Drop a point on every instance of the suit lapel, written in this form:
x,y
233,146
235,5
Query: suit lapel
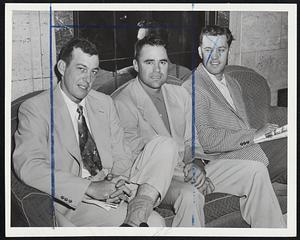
x,y
97,118
64,125
236,95
205,79
148,110
173,110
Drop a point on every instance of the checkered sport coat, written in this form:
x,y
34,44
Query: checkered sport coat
x,y
223,131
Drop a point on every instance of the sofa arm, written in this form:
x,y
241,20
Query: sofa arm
x,y
29,206
277,115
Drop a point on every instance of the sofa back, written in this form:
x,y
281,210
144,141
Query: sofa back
x,y
14,113
256,94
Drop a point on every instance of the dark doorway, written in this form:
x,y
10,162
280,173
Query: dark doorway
x,y
114,33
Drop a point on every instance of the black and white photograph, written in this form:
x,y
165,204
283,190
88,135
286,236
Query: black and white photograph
x,y
150,119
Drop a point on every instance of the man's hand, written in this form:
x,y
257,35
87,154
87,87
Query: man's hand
x,y
269,127
207,188
101,190
109,191
122,191
117,179
194,174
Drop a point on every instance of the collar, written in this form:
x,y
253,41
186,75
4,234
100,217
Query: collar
x,y
214,79
72,106
152,94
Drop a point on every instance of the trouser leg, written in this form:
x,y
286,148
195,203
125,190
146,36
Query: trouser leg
x,y
155,164
249,179
188,204
152,171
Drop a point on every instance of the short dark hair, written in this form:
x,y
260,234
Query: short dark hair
x,y
155,29
148,40
215,30
65,53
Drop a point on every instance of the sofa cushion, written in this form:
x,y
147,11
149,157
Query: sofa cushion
x,y
220,204
217,205
29,206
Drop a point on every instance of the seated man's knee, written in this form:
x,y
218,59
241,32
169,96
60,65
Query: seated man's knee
x,y
255,168
167,143
165,146
156,220
259,167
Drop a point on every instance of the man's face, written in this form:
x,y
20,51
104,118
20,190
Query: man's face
x,y
152,66
79,74
214,53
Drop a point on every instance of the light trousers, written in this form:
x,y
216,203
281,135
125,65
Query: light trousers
x,y
245,178
249,179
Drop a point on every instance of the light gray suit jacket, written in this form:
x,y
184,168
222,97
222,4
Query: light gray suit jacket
x,y
141,121
221,129
32,155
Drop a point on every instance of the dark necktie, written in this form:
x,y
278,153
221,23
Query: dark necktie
x,y
89,153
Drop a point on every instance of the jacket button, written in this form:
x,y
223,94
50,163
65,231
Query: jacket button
x,y
62,197
66,199
241,144
70,200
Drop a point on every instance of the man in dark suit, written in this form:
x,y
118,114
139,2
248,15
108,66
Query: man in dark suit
x,y
80,155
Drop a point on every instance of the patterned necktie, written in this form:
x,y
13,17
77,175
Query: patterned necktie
x,y
89,153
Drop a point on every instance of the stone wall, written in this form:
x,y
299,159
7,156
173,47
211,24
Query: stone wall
x,y
30,52
261,44
31,48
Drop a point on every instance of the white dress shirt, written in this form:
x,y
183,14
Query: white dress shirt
x,y
222,86
72,107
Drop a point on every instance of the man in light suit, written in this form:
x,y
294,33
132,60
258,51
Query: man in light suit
x,y
149,107
220,114
150,27
177,74
56,156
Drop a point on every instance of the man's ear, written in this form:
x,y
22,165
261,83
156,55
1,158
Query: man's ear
x,y
135,65
200,52
61,67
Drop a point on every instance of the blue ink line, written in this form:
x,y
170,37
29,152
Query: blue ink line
x,y
214,47
122,26
52,162
194,52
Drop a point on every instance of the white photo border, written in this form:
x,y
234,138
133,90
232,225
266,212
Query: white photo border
x,y
117,231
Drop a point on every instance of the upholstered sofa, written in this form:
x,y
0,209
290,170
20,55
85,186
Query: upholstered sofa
x,y
31,207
